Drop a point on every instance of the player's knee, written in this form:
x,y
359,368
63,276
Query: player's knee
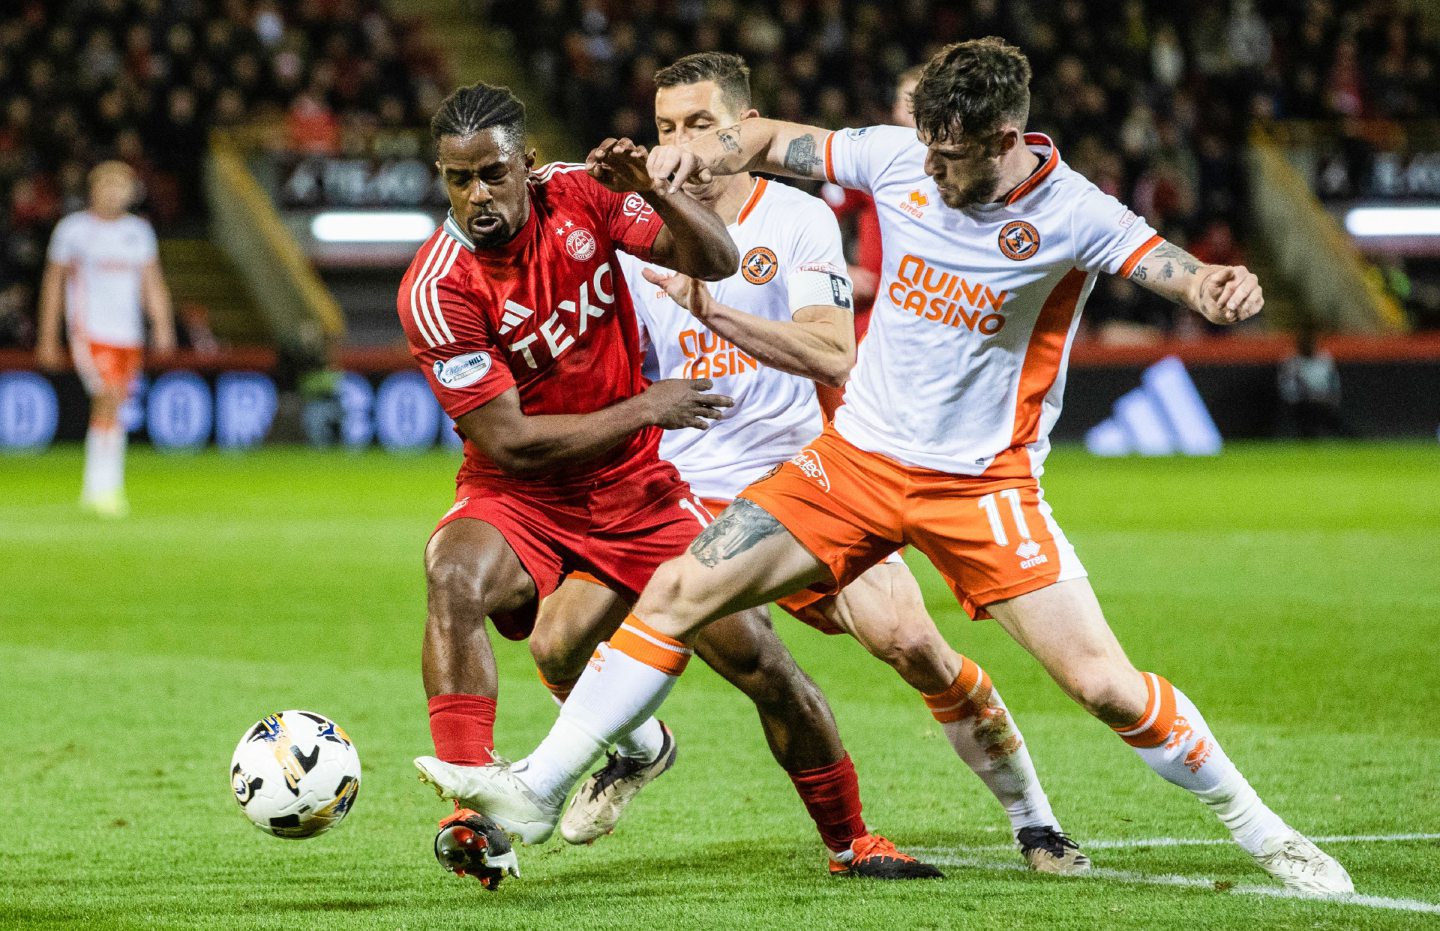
x,y
914,651
1106,690
768,675
454,586
559,659
672,603
107,402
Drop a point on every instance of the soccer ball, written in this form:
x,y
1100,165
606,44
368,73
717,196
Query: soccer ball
x,y
295,774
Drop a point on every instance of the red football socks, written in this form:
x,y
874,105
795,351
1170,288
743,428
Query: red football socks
x,y
832,796
463,728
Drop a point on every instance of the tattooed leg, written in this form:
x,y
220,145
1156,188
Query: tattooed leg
x,y
745,558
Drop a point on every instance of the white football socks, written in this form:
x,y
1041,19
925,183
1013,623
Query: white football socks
x,y
606,704
643,743
985,736
991,745
1191,757
104,461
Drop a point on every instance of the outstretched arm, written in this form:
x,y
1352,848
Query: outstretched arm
x,y
694,239
771,146
522,444
1222,294
818,342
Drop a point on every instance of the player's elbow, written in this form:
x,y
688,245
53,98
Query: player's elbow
x,y
718,262
835,368
518,462
516,456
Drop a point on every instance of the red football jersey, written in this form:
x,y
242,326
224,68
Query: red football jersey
x,y
548,313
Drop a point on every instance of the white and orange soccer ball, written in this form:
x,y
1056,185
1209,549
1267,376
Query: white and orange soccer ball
x,y
295,774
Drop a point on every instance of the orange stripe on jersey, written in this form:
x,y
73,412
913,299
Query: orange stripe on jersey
x,y
1032,182
1138,255
1042,357
756,193
579,575
830,160
641,642
1154,726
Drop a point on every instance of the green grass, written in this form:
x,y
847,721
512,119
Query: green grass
x,y
1292,592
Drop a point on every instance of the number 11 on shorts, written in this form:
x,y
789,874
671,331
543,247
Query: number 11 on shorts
x,y
991,507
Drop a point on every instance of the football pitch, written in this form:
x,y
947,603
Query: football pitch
x,y
1293,592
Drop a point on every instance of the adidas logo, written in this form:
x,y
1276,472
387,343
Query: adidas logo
x,y
1165,416
515,314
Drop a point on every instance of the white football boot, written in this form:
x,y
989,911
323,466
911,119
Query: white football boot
x,y
603,797
496,792
1294,860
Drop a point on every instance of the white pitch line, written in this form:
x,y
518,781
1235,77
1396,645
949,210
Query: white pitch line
x,y
946,858
1201,842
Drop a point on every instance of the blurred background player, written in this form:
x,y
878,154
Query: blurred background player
x,y
102,271
944,433
518,314
1309,384
766,335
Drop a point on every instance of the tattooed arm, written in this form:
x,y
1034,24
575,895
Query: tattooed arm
x,y
1219,293
772,146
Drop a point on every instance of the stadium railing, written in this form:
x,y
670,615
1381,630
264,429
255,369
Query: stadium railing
x,y
1317,258
247,226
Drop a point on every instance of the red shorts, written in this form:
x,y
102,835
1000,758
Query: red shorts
x,y
101,366
619,532
991,537
807,605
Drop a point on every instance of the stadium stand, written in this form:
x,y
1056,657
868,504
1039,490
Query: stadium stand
x,y
1153,105
146,80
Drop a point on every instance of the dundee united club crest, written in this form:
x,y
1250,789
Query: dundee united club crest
x,y
759,265
1019,240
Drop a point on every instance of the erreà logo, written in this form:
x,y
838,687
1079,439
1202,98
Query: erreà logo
x,y
462,371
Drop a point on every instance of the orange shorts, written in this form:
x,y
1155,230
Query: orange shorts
x,y
808,605
102,366
992,538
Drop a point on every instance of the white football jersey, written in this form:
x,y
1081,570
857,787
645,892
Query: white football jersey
x,y
977,308
790,257
104,260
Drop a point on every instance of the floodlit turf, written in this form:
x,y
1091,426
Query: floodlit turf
x,y
1292,592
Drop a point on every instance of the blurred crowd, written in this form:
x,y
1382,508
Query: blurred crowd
x,y
1150,99
145,80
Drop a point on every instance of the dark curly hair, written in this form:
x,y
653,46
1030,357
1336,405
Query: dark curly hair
x,y
969,88
480,106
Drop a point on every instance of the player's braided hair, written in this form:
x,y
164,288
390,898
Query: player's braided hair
x,y
969,88
480,106
729,72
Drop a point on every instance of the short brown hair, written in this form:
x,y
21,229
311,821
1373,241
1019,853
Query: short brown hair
x,y
969,88
729,72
